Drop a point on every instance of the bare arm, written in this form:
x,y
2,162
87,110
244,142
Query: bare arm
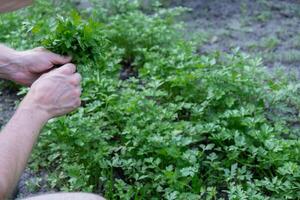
x,y
24,67
16,142
53,94
6,57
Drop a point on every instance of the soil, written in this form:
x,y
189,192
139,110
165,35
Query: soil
x,y
266,28
31,184
7,105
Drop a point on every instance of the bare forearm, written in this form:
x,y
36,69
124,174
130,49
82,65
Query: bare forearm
x,y
16,142
7,56
25,67
51,95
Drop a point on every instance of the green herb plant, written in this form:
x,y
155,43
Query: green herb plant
x,y
183,126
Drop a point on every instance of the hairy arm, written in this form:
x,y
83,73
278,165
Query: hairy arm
x,y
53,94
24,67
6,60
16,142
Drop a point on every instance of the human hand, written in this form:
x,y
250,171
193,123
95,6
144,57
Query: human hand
x,y
55,93
27,66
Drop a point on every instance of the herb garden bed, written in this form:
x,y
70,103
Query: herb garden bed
x,y
160,121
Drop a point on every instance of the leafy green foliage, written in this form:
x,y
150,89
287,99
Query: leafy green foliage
x,y
184,127
18,27
82,40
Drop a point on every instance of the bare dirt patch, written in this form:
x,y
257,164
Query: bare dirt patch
x,y
269,29
7,105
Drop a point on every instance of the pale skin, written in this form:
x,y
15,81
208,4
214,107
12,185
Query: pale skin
x,y
53,92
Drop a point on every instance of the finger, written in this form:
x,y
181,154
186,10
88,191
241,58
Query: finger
x,y
66,69
77,92
57,59
78,103
75,79
40,49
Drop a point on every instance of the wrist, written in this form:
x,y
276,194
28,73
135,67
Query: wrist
x,y
33,110
7,62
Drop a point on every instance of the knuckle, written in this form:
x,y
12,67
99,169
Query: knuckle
x,y
40,49
70,65
78,103
76,92
78,76
75,79
79,91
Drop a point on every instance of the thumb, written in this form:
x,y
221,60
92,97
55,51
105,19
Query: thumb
x,y
57,59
